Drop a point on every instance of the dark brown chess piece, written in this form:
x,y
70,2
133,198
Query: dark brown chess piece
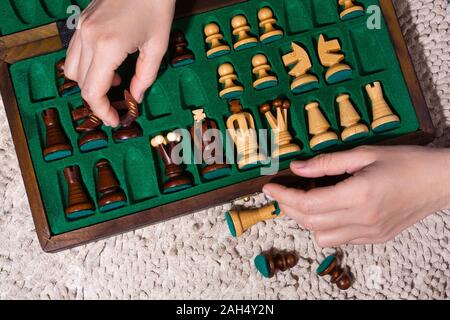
x,y
181,55
111,196
66,87
128,110
268,263
57,145
339,276
92,136
176,174
205,143
79,203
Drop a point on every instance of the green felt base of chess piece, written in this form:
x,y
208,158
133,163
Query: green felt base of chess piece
x,y
325,264
251,166
113,206
262,265
230,224
216,174
233,95
305,87
340,76
246,46
70,91
387,127
273,39
58,155
80,214
356,137
266,85
290,155
93,145
325,145
352,15
183,63
218,54
177,188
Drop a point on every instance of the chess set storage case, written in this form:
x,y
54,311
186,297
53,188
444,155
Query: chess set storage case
x,y
28,87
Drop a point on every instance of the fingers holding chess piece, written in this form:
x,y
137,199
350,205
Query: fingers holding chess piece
x,y
331,57
300,63
241,31
209,147
350,10
214,39
66,87
111,196
230,90
177,178
322,137
241,127
350,120
57,145
261,69
128,110
269,263
383,117
267,23
181,55
79,204
339,276
240,221
282,139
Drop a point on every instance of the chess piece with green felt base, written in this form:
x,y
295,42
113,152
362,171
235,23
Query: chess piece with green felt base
x,y
240,221
111,196
267,264
322,137
339,276
57,145
261,69
350,120
79,204
350,10
241,30
331,57
383,117
214,40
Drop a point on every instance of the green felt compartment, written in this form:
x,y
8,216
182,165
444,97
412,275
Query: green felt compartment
x,y
168,104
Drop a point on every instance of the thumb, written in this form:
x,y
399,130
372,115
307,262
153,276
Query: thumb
x,y
333,164
147,67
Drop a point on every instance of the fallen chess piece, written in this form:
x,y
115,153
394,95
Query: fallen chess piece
x,y
240,221
267,264
339,276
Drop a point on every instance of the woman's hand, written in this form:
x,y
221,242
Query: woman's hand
x,y
109,31
390,189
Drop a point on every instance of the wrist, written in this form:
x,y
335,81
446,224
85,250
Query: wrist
x,y
446,174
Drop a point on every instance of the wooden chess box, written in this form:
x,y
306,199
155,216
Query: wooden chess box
x,y
29,87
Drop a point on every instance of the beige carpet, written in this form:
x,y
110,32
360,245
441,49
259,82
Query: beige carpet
x,y
194,257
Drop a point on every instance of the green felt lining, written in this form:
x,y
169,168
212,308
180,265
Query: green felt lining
x,y
230,224
167,105
262,265
325,264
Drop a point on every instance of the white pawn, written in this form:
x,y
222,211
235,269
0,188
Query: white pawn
x,y
241,30
261,69
213,39
227,78
267,22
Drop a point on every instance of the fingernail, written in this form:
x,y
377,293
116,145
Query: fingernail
x,y
141,98
267,194
298,164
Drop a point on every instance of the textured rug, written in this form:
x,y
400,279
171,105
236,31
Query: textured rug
x,y
194,257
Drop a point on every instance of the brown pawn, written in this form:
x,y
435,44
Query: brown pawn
x,y
205,144
181,55
66,86
111,195
128,110
339,276
267,264
56,144
92,136
79,203
177,177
